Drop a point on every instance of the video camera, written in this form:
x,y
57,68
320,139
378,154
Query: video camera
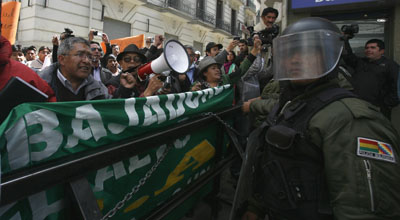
x,y
66,34
350,30
266,36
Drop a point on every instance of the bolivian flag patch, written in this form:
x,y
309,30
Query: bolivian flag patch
x,y
375,149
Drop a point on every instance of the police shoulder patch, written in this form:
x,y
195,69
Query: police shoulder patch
x,y
375,149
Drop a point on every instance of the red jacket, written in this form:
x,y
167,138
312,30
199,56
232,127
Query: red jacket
x,y
9,68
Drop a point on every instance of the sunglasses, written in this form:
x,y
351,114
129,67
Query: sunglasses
x,y
136,59
93,49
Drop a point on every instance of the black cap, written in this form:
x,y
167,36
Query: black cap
x,y
211,45
132,48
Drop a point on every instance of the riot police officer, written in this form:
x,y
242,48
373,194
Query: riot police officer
x,y
322,153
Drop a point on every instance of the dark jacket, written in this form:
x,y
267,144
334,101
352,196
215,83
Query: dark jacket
x,y
152,53
374,81
105,75
93,90
103,59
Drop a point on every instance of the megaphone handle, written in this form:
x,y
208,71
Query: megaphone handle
x,y
144,70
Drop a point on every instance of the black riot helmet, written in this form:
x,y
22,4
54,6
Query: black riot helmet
x,y
308,49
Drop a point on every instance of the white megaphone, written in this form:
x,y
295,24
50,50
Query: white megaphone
x,y
174,58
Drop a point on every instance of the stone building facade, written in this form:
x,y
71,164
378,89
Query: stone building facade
x,y
192,22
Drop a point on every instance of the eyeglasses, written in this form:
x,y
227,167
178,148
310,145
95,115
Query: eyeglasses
x,y
95,48
135,59
83,55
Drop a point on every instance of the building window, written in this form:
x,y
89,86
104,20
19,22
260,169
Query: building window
x,y
220,13
200,9
233,22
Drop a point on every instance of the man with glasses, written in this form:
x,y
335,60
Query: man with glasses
x,y
128,84
38,62
71,77
99,73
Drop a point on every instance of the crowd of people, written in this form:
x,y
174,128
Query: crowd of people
x,y
324,150
78,69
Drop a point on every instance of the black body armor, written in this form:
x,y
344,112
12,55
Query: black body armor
x,y
289,174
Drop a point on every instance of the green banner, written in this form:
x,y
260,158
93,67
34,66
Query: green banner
x,y
34,133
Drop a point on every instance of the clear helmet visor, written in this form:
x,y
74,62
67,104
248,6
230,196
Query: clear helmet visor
x,y
306,55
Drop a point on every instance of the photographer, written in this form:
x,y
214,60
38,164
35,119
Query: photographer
x,y
262,67
156,49
270,29
64,35
269,16
375,76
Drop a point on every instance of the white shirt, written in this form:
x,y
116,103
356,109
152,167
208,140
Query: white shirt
x,y
67,84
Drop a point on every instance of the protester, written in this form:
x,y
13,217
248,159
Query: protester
x,y
30,53
155,49
115,49
11,68
147,44
210,71
243,51
229,66
17,54
197,57
71,77
38,62
99,53
375,76
112,65
317,153
214,50
129,84
99,73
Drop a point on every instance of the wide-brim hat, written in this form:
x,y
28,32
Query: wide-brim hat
x,y
205,63
132,48
211,45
